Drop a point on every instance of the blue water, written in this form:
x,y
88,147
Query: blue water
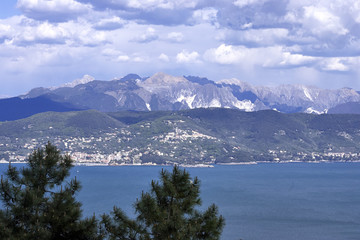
x,y
264,201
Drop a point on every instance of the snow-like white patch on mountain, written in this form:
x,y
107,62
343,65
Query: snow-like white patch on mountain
x,y
245,105
85,79
168,91
314,111
214,103
307,94
188,99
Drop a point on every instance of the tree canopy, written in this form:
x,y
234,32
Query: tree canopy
x,y
168,211
37,204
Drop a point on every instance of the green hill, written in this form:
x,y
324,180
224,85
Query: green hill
x,y
188,137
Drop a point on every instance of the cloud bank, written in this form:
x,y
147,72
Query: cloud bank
x,y
265,42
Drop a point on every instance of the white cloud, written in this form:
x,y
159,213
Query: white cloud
x,y
163,57
355,11
205,15
82,34
226,37
140,58
175,37
109,24
123,58
5,32
109,52
268,57
259,37
290,59
226,54
149,36
187,57
244,3
334,64
54,10
165,4
44,33
321,21
4,28
115,55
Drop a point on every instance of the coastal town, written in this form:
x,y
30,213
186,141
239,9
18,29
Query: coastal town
x,y
177,146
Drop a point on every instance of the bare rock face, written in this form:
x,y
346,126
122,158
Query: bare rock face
x,y
165,92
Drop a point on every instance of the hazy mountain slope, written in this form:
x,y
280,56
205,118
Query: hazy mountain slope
x,y
81,123
17,108
168,93
346,108
295,98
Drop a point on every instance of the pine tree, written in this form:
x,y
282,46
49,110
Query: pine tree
x,y
37,204
167,212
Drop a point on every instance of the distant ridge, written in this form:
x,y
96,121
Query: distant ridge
x,y
346,108
196,136
163,92
17,108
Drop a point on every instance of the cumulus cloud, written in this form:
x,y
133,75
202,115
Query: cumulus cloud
x,y
334,64
257,37
54,11
331,26
109,24
175,37
115,55
149,36
322,22
92,39
226,54
159,12
26,31
227,37
243,3
147,5
5,32
44,33
268,57
163,57
123,58
187,57
152,4
205,15
110,52
140,59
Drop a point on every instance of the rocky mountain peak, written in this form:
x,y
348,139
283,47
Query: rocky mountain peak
x,y
165,92
163,78
85,79
234,81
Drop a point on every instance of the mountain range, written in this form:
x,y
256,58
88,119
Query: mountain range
x,y
165,92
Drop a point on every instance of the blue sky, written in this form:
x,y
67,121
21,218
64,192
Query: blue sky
x,y
46,43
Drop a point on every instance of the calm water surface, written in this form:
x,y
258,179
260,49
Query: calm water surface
x,y
264,201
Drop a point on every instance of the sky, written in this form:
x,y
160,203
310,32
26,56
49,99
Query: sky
x,y
46,43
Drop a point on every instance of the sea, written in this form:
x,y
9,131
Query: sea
x,y
291,201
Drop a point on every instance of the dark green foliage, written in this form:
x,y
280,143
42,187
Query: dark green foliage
x,y
38,205
231,135
167,212
92,121
133,117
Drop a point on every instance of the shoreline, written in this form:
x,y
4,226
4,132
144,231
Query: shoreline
x,y
201,165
